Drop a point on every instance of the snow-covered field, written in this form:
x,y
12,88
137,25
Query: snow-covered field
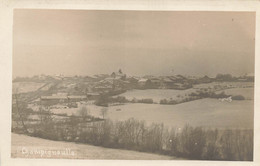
x,y
204,112
158,94
24,87
31,147
248,93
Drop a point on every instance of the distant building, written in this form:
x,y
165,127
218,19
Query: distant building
x,y
143,81
168,83
93,96
118,75
55,99
205,79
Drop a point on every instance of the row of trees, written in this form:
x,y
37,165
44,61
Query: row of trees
x,y
188,142
229,77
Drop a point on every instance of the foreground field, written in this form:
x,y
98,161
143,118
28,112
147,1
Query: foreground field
x,y
205,112
22,146
209,113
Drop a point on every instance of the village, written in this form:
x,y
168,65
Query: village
x,y
84,108
63,95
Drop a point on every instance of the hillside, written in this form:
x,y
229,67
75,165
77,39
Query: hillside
x,y
30,147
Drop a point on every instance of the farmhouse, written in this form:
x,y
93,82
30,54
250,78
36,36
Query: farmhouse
x,y
61,99
118,75
205,79
133,80
93,96
168,83
142,82
155,82
101,88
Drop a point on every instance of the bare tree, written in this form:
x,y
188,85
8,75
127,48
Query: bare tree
x,y
21,110
103,112
84,113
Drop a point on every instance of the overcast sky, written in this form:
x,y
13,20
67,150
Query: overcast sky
x,y
86,42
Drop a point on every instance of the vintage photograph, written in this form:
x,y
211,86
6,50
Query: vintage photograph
x,y
133,85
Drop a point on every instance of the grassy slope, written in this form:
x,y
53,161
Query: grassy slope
x,y
82,151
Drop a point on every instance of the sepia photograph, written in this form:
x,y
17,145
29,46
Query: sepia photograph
x,y
133,85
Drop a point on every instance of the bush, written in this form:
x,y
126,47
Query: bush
x,y
238,97
208,94
169,102
147,101
220,95
105,100
119,99
163,101
102,101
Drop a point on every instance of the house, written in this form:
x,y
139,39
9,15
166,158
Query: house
x,y
142,82
93,96
118,75
99,77
145,83
205,79
175,82
88,79
248,77
168,83
156,81
103,88
133,80
54,99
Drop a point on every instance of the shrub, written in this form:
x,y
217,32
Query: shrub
x,y
121,99
147,101
173,102
170,102
238,97
220,95
102,101
163,101
205,94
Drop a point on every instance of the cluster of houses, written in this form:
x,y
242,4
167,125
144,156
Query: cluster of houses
x,y
55,99
119,80
164,82
91,88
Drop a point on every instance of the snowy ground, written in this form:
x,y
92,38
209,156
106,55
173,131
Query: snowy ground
x,y
31,147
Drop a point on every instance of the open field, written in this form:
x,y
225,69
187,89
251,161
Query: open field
x,y
24,87
225,84
81,151
205,112
248,93
156,94
232,88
